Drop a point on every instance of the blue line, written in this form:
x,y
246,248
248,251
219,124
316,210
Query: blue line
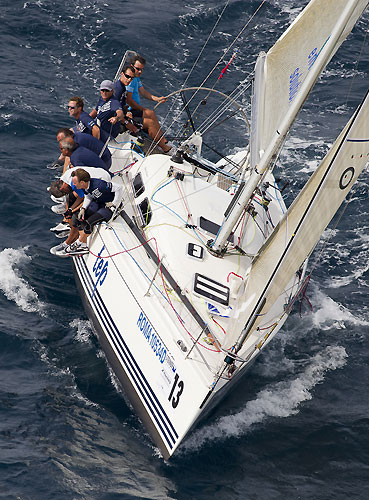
x,y
119,337
173,212
131,365
118,342
357,140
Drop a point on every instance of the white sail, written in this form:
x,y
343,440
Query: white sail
x,y
286,65
350,10
299,231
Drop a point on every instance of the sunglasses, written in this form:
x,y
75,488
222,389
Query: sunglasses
x,y
105,90
72,107
129,77
137,69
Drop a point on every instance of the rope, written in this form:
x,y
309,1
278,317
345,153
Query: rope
x,y
163,281
205,44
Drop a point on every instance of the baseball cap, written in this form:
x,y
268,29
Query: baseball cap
x,y
106,85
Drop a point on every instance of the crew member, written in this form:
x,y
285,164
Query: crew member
x,y
100,202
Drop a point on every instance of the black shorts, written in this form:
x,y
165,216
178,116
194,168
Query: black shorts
x,y
94,214
137,116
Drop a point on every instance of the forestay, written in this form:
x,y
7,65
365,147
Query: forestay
x,y
280,73
299,231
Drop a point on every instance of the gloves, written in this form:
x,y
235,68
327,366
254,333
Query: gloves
x,y
68,214
81,214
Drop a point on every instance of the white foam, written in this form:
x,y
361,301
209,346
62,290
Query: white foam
x,y
279,400
15,288
354,251
331,314
83,328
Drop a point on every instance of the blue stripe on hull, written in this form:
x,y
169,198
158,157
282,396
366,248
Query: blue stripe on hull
x,y
127,361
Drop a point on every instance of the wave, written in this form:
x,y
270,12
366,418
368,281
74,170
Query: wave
x,y
280,400
331,314
83,330
14,287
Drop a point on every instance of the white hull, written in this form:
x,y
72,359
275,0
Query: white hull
x,y
149,331
201,267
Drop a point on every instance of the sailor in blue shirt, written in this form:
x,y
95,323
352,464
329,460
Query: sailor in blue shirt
x,y
84,122
120,93
149,119
87,141
96,173
75,196
80,156
98,194
108,113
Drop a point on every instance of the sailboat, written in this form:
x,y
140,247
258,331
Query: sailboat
x,y
200,267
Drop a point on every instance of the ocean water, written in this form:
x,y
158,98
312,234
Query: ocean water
x,y
298,427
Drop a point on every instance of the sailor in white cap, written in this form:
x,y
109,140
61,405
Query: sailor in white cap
x,y
108,112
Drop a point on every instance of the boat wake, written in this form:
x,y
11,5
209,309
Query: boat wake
x,y
14,287
279,400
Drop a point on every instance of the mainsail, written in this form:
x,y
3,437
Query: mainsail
x,y
271,136
279,74
300,229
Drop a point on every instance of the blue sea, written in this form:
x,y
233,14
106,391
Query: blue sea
x,y
298,425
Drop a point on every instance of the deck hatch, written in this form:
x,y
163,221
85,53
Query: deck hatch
x,y
212,227
211,289
145,211
138,185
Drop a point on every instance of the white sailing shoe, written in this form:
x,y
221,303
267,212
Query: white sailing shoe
x,y
58,200
77,248
58,248
58,209
63,234
60,227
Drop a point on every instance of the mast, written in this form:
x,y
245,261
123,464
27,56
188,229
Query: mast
x,y
326,52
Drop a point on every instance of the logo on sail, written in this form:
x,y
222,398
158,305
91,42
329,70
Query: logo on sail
x,y
346,177
295,82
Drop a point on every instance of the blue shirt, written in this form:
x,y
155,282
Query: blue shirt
x,y
83,157
84,123
106,110
133,87
80,192
100,191
120,93
90,142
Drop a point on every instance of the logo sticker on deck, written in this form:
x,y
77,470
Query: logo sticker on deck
x,y
100,268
